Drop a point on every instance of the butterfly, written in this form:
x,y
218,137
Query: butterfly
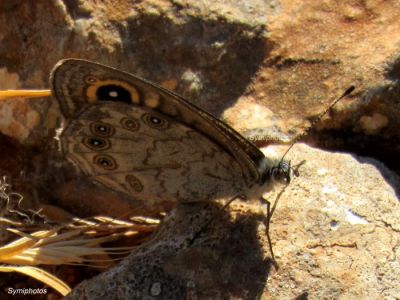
x,y
135,137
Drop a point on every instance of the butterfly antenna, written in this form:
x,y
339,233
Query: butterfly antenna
x,y
271,209
346,93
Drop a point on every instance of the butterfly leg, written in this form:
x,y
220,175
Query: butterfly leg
x,y
270,212
241,197
267,222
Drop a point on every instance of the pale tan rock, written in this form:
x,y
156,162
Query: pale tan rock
x,y
336,227
335,234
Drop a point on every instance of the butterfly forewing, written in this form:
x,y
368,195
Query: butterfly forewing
x,y
79,83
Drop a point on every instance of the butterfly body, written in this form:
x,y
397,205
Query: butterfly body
x,y
137,138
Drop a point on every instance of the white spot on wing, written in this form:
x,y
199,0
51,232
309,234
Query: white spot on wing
x,y
113,94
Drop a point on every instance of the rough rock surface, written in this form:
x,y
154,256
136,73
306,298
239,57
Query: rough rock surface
x,y
341,240
199,253
290,57
336,235
267,68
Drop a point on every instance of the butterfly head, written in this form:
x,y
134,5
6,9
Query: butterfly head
x,y
280,171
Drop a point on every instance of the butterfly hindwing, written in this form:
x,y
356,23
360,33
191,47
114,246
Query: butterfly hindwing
x,y
148,155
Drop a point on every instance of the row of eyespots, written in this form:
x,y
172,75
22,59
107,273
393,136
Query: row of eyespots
x,y
152,120
108,163
102,130
106,130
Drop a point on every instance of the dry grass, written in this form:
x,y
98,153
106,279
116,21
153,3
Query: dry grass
x,y
76,243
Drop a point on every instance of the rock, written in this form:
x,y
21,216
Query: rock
x,y
335,234
292,59
198,253
267,68
337,229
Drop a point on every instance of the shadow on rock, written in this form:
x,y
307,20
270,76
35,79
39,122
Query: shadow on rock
x,y
199,252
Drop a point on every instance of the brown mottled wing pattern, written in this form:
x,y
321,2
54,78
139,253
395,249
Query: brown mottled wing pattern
x,y
73,83
124,148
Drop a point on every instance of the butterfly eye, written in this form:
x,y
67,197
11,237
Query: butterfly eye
x,y
155,121
130,124
105,161
283,172
96,143
102,129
